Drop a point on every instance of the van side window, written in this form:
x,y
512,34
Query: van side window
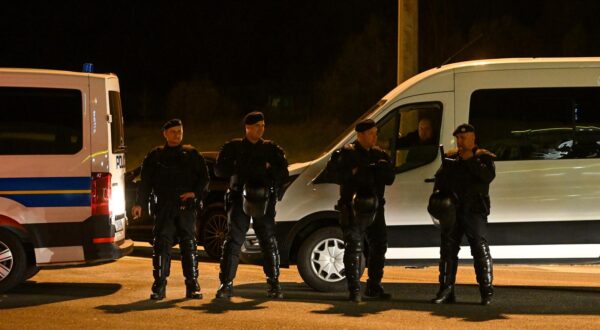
x,y
410,135
40,121
538,123
117,131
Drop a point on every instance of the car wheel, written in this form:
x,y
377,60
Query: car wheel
x,y
321,260
13,261
214,232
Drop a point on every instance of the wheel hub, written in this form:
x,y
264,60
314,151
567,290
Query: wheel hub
x,y
327,260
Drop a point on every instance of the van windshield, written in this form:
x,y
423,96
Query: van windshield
x,y
351,127
117,131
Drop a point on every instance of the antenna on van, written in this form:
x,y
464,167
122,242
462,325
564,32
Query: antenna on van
x,y
469,44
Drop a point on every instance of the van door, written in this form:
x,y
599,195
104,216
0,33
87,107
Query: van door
x,y
544,126
416,160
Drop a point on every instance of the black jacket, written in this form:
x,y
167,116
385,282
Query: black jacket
x,y
469,180
242,160
374,171
169,172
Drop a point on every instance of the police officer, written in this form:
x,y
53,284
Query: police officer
x,y
363,170
257,169
177,176
465,176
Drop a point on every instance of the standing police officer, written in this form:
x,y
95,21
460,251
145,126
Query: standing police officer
x,y
363,170
257,169
464,179
177,175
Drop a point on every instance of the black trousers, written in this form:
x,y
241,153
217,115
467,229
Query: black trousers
x,y
474,226
171,222
354,234
239,223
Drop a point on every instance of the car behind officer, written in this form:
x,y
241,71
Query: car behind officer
x,y
257,169
177,176
363,170
461,202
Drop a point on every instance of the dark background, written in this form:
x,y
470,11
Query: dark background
x,y
295,60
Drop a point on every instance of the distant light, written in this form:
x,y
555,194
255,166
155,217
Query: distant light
x,y
88,67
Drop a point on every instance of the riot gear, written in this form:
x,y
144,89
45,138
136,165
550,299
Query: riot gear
x,y
364,207
256,170
256,199
461,203
167,173
442,208
362,175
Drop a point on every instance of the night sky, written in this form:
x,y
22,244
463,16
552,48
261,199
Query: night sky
x,y
249,51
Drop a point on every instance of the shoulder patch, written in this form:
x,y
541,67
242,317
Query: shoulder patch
x,y
348,147
452,152
188,147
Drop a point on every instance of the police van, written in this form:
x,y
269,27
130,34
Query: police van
x,y
62,162
541,117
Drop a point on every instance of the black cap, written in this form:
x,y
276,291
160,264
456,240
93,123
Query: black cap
x,y
463,128
171,123
253,118
364,125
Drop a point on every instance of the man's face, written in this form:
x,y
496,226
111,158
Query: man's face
x,y
173,135
255,131
465,141
368,138
425,130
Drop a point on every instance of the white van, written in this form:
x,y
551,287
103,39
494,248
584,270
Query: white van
x,y
540,116
62,162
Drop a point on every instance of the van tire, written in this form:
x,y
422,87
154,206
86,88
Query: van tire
x,y
329,277
15,261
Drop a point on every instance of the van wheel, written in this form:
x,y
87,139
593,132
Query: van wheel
x,y
214,232
13,261
321,260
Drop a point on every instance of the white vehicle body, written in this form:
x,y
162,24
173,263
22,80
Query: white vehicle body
x,y
547,189
62,165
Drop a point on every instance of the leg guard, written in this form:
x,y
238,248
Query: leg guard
x,y
484,272
189,264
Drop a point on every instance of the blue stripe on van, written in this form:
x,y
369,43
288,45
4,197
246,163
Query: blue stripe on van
x,y
54,183
58,191
50,200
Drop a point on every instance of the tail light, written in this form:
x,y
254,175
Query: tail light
x,y
101,193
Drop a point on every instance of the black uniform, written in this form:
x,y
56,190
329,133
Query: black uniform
x,y
469,181
373,171
243,162
168,172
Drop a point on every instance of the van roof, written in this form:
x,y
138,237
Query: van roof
x,y
446,71
57,72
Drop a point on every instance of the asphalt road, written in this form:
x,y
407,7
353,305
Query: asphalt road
x,y
115,295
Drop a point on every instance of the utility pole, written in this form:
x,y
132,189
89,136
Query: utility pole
x,y
408,39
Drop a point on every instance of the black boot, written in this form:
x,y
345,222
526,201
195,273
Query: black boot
x,y
274,290
352,272
447,279
374,290
162,265
485,275
225,290
229,264
189,263
271,268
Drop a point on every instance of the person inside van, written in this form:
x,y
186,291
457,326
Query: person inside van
x,y
423,136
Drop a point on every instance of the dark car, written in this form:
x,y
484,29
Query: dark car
x,y
211,223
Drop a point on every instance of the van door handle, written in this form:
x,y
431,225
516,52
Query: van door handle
x,y
429,180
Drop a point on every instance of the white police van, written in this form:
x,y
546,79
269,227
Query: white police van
x,y
62,162
540,116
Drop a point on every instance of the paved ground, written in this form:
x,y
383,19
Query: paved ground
x,y
116,295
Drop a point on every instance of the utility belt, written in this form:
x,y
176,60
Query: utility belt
x,y
176,202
